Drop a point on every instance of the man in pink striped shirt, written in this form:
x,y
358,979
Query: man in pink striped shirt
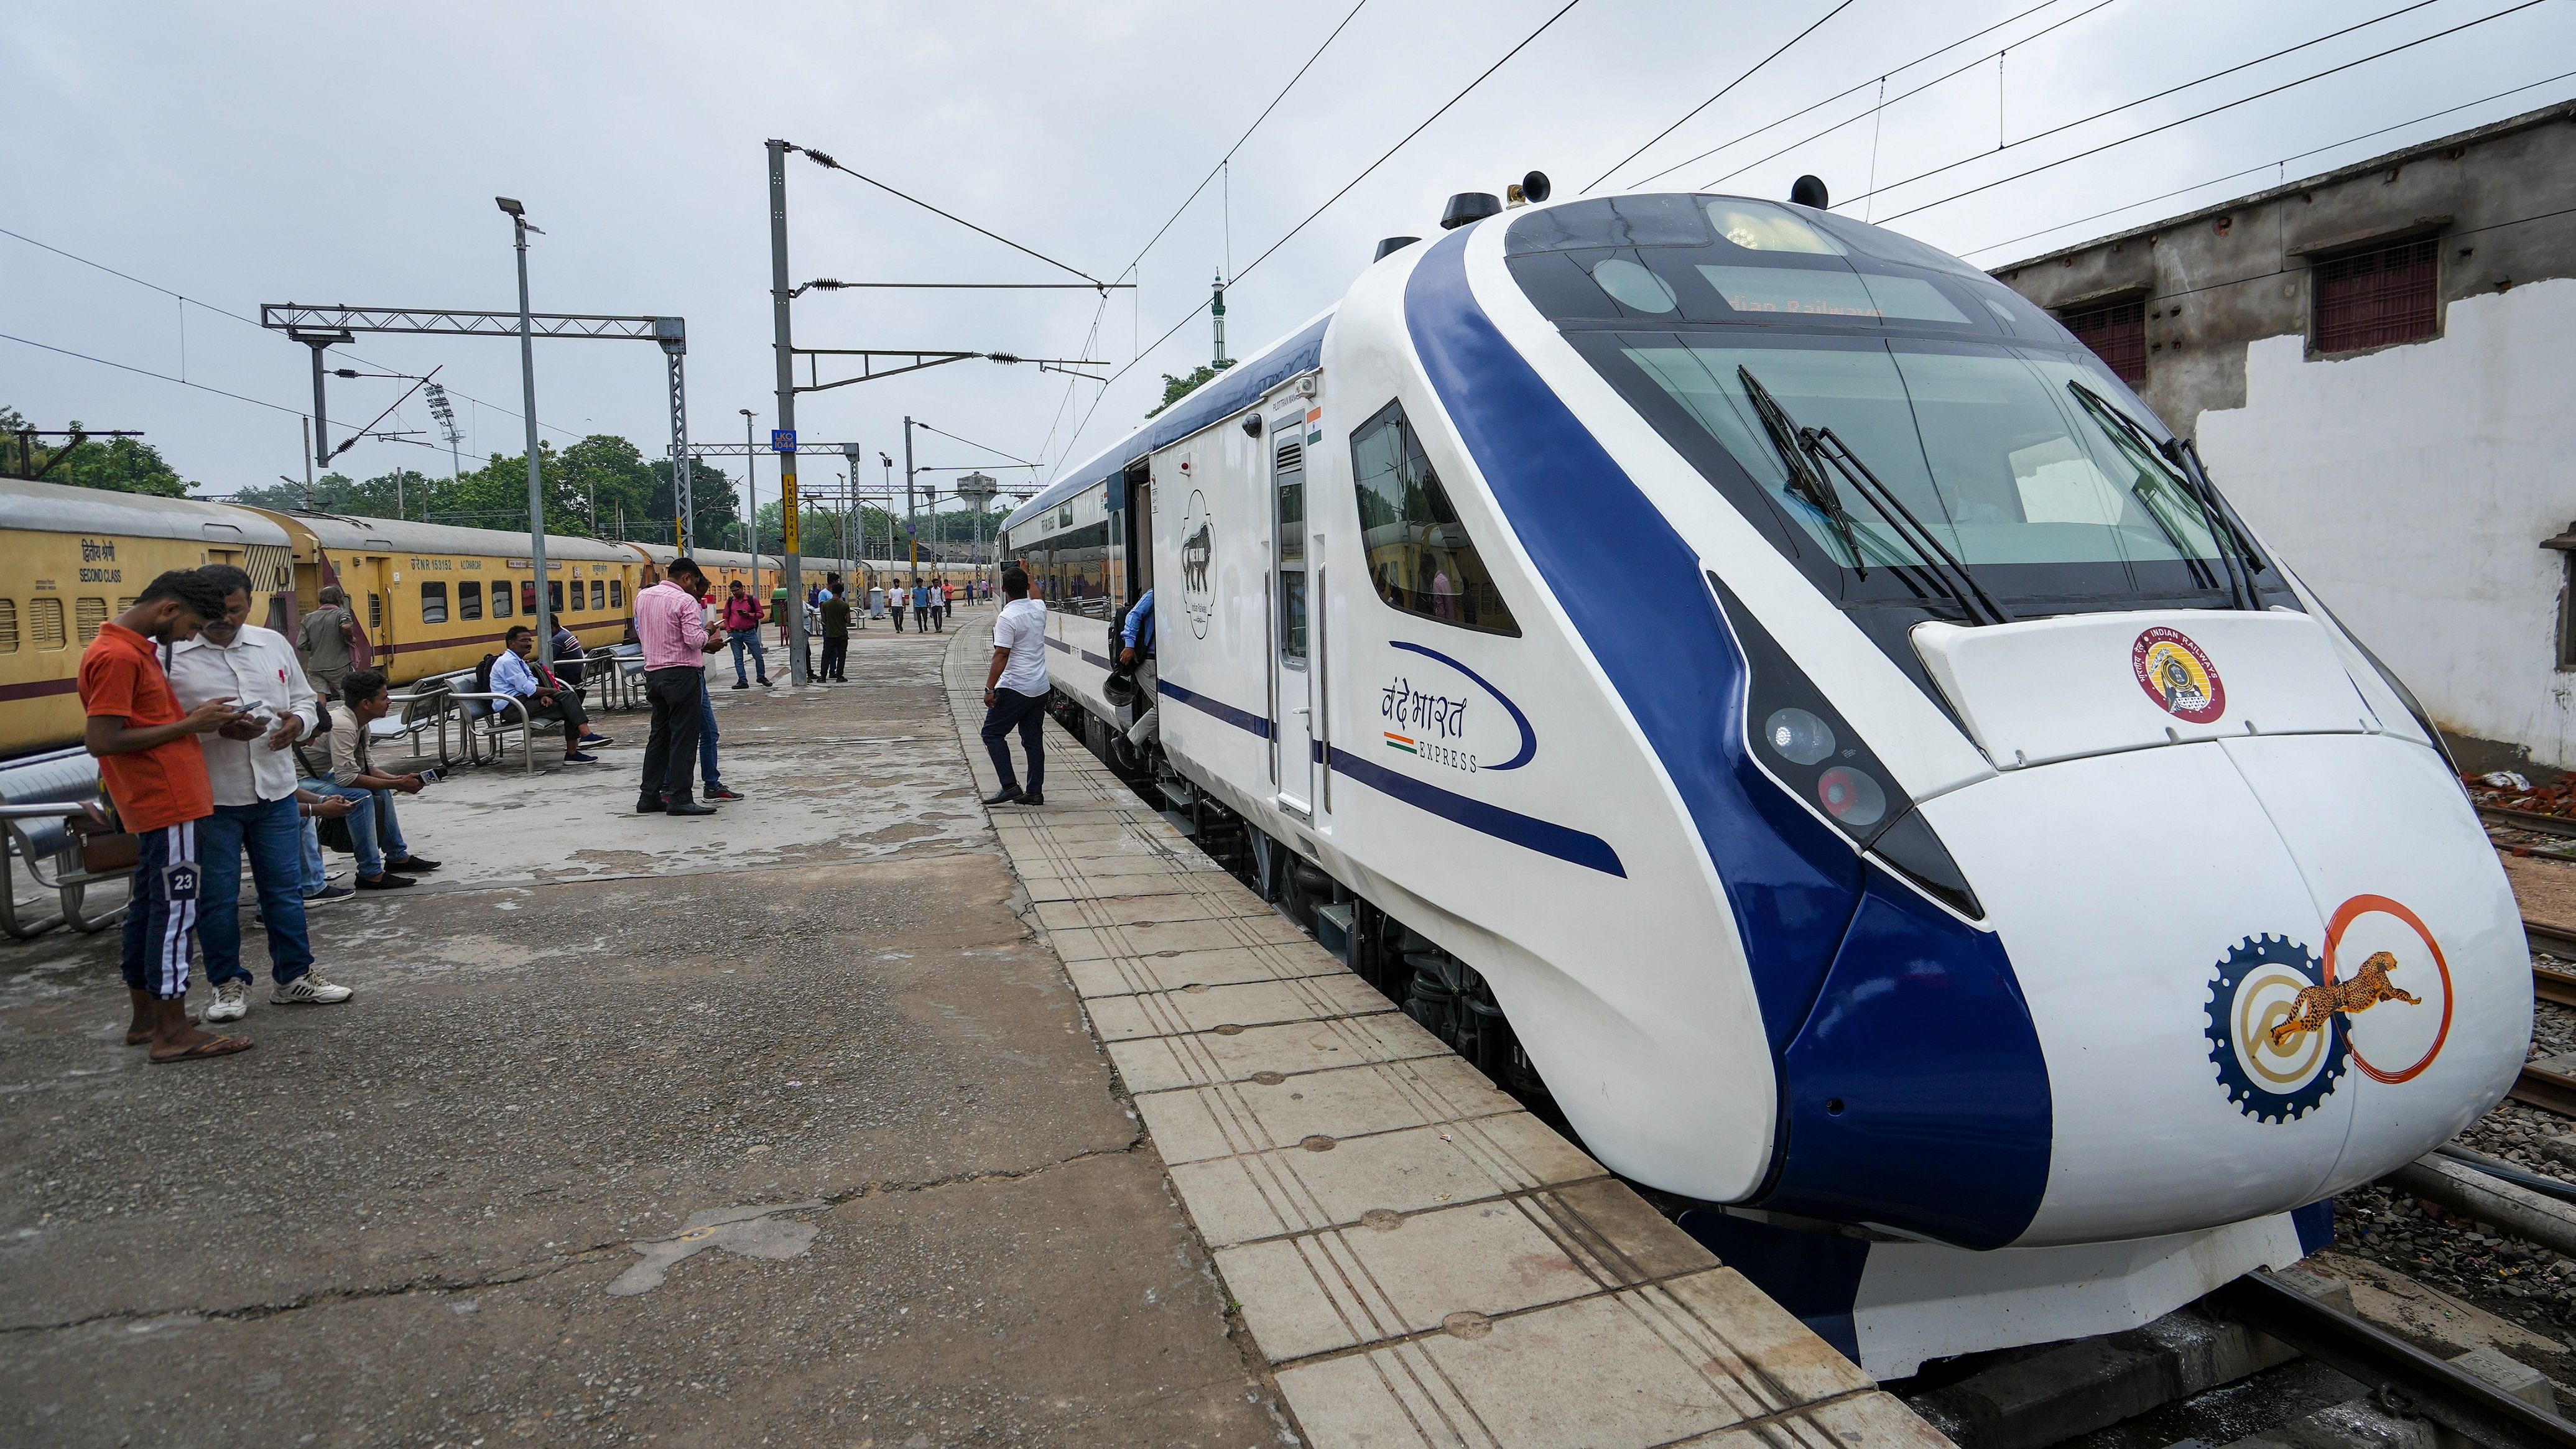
x,y
671,626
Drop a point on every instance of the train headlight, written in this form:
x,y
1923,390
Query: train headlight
x,y
1812,752
1799,736
1851,797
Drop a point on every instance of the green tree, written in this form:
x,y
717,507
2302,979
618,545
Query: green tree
x,y
711,497
612,480
1177,388
122,465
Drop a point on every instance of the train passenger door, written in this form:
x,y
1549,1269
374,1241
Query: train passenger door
x,y
1291,677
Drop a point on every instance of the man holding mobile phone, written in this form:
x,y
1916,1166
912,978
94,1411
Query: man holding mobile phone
x,y
258,805
364,699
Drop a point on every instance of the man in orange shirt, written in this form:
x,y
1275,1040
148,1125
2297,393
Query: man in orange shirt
x,y
156,773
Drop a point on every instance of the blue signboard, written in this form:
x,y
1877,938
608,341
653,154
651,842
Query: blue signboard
x,y
782,440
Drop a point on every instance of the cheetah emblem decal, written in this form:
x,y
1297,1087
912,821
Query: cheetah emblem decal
x,y
2316,1005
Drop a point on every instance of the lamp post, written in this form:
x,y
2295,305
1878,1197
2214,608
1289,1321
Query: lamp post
x,y
520,228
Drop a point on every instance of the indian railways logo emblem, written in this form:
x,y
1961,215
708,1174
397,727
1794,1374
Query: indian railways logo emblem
x,y
1198,597
2283,1025
2177,675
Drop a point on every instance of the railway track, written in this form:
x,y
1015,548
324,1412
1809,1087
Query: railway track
x,y
2528,820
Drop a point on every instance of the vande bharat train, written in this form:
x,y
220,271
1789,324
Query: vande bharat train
x,y
1886,793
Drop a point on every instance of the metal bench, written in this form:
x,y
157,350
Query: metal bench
x,y
500,716
425,706
39,796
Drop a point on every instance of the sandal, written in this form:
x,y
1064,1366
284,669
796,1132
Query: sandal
x,y
213,1046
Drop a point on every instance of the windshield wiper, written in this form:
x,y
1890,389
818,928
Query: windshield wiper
x,y
2195,486
1804,479
1823,445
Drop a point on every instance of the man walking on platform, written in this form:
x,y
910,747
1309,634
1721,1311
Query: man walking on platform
x,y
1015,692
675,640
742,616
156,774
921,608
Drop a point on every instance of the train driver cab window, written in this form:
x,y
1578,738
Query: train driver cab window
x,y
433,603
500,598
599,593
469,600
1419,555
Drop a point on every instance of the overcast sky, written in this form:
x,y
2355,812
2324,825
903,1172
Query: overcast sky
x,y
264,152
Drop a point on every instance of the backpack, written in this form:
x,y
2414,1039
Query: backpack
x,y
483,674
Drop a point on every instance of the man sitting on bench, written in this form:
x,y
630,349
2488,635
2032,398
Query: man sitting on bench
x,y
546,697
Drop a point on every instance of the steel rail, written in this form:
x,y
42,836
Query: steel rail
x,y
2448,1395
2528,820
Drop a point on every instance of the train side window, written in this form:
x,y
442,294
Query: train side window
x,y
125,602
617,593
469,601
433,603
1419,555
554,596
89,614
375,611
527,596
599,593
500,598
8,626
47,623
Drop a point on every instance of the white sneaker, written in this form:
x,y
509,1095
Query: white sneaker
x,y
310,989
231,1003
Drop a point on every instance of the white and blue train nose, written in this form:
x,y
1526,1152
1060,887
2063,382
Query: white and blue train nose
x,y
2262,947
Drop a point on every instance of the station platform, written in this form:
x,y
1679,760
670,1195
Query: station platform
x,y
847,1116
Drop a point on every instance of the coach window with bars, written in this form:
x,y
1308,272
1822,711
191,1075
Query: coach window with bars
x,y
2117,333
433,603
2387,293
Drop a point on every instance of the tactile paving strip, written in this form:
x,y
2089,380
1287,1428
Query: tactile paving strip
x,y
1419,1260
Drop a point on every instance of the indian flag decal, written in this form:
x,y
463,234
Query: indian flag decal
x,y
1399,742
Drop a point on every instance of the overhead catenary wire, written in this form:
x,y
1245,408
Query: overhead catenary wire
x,y
236,316
1902,96
1481,77
1721,94
2180,121
970,442
2282,163
824,159
1893,71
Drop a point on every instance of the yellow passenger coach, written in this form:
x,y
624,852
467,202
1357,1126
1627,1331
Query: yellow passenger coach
x,y
77,557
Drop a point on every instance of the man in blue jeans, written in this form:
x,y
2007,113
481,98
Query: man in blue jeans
x,y
385,862
741,619
258,805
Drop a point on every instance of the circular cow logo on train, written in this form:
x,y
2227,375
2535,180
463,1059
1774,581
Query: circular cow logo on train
x,y
2177,675
1198,548
2284,1025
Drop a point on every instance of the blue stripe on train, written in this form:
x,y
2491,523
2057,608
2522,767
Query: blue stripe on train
x,y
1913,1092
1544,836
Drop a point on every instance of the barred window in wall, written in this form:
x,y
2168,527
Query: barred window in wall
x,y
88,614
433,603
2117,333
375,611
45,620
1419,555
2384,295
8,626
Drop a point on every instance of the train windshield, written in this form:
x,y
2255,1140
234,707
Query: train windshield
x,y
2000,460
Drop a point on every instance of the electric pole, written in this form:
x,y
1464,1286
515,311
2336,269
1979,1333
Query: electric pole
x,y
784,438
528,394
911,514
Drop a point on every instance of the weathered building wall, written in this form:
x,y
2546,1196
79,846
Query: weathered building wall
x,y
2411,485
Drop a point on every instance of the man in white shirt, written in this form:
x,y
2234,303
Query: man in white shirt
x,y
1015,692
515,674
258,804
